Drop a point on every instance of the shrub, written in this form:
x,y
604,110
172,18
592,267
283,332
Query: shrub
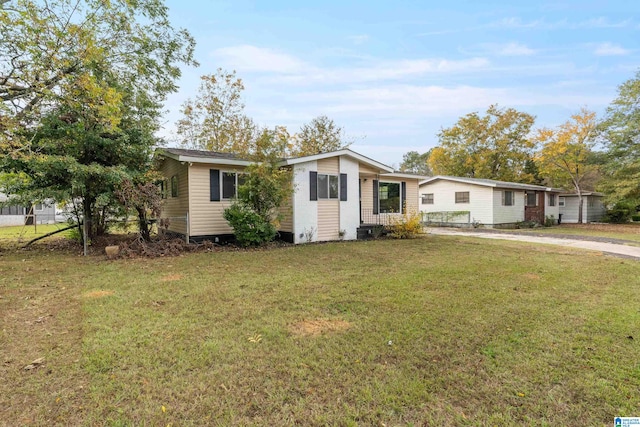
x,y
406,225
635,217
549,221
249,227
620,212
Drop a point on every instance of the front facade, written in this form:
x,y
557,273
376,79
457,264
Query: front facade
x,y
40,213
471,201
332,194
593,207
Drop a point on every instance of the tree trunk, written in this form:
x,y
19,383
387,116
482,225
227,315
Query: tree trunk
x,y
143,224
87,213
579,208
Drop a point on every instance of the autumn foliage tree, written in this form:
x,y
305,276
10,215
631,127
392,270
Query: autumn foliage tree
x,y
214,119
320,135
567,153
494,146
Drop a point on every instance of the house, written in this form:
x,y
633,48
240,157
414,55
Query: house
x,y
335,196
593,208
466,201
13,214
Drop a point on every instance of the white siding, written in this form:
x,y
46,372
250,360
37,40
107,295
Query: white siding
x,y
350,209
508,214
597,211
175,208
305,211
570,210
593,213
551,210
480,200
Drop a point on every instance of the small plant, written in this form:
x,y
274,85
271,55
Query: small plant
x,y
249,227
406,225
308,234
549,221
341,234
377,231
635,217
476,224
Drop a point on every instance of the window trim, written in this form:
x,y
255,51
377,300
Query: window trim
x,y
235,183
512,199
427,199
327,190
380,185
174,186
461,199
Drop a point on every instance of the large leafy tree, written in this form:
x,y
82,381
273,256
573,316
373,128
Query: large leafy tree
x,y
493,146
567,156
621,131
214,120
320,135
82,84
415,162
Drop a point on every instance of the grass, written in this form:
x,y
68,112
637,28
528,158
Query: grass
x,y
431,331
20,233
629,231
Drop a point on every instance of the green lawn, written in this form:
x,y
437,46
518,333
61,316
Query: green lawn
x,y
24,233
432,331
629,231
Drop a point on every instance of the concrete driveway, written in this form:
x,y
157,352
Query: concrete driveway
x,y
618,249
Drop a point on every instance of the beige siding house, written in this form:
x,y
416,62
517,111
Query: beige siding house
x,y
336,195
468,201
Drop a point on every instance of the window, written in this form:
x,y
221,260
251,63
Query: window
x,y
328,186
507,198
389,197
462,197
39,207
561,202
174,186
162,186
427,199
590,202
532,198
552,199
230,183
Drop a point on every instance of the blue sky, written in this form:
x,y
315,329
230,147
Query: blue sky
x,y
394,73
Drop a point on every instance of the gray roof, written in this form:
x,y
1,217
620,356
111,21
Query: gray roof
x,y
491,183
203,154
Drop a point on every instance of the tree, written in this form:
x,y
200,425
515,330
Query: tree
x,y
621,131
144,199
414,162
321,135
254,215
566,156
82,85
493,146
214,120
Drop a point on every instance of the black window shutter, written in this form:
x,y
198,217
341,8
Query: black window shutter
x,y
343,187
214,185
313,185
403,196
375,197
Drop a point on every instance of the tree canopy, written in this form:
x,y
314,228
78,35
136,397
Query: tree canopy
x,y
214,120
566,155
82,85
320,135
493,146
621,132
414,162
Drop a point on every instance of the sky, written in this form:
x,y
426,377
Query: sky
x,y
394,73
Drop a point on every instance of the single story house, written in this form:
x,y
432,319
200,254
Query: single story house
x,y
593,208
468,201
336,195
14,214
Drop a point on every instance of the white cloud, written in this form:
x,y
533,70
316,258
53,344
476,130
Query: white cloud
x,y
256,59
609,49
593,23
358,39
515,49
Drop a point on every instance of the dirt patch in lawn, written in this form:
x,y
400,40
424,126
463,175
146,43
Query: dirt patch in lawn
x,y
98,294
319,326
532,276
171,277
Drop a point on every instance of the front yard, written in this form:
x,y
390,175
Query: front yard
x,y
432,331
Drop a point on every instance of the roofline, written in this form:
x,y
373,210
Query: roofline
x,y
510,185
404,175
208,160
343,152
584,193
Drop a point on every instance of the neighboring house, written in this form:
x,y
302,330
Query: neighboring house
x,y
335,194
593,208
41,213
466,201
